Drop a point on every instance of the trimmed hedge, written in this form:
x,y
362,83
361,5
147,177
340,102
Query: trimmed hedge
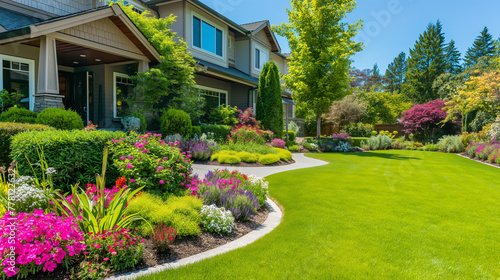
x,y
60,119
176,122
18,115
197,131
220,131
7,130
76,155
291,135
356,141
269,159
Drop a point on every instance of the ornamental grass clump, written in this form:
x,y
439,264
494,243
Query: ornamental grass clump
x,y
215,219
379,142
451,144
40,241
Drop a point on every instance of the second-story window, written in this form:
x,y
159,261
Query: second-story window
x,y
260,58
207,36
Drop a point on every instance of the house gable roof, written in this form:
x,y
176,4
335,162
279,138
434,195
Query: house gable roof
x,y
265,25
114,13
13,20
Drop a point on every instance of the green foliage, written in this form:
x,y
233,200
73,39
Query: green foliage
x,y
144,124
249,147
383,107
248,157
425,63
76,155
452,56
484,45
172,80
181,213
358,129
197,131
224,115
269,101
345,111
356,141
269,159
451,144
228,159
321,45
246,135
481,120
220,131
291,135
9,99
18,115
7,130
309,146
60,119
395,73
176,122
284,155
379,142
294,148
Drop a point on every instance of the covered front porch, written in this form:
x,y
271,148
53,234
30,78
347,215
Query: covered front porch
x,y
81,62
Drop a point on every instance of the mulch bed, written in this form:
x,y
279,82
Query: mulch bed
x,y
180,249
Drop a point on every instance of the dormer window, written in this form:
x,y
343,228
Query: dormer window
x,y
207,37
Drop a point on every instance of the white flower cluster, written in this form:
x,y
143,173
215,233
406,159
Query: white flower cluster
x,y
252,179
22,180
314,146
50,171
494,132
216,219
27,198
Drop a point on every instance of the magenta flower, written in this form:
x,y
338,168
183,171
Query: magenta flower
x,y
132,180
129,166
130,157
123,158
162,182
145,151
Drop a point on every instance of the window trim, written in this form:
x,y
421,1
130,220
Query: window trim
x,y
215,90
217,26
116,75
31,63
262,51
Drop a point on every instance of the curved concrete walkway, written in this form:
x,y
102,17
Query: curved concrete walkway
x,y
272,221
301,161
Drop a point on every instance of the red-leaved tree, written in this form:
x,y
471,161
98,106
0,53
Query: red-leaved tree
x,y
425,118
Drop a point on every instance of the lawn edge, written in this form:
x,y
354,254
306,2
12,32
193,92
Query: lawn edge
x,y
272,221
485,163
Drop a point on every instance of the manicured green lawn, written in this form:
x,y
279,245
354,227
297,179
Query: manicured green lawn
x,y
377,215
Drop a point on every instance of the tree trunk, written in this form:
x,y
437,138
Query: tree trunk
x,y
318,127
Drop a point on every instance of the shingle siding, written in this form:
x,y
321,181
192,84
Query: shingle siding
x,y
61,7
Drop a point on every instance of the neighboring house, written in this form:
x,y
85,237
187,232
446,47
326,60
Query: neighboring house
x,y
78,54
230,56
72,53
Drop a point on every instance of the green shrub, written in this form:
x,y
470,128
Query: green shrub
x,y
144,124
197,131
284,155
249,147
291,135
379,142
246,134
60,119
76,155
220,131
356,141
150,162
294,148
269,159
310,146
225,115
18,115
432,147
451,144
248,157
7,130
359,130
181,213
176,122
229,159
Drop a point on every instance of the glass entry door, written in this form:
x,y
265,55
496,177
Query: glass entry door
x,y
82,95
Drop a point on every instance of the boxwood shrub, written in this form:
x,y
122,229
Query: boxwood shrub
x,y
18,115
7,130
76,155
269,159
220,131
60,118
176,122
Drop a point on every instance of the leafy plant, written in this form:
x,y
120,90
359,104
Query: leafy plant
x,y
223,115
18,115
221,132
379,142
246,134
269,159
176,122
9,99
60,119
163,236
451,144
358,129
215,219
247,118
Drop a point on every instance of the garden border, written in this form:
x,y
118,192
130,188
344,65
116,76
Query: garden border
x,y
273,220
485,163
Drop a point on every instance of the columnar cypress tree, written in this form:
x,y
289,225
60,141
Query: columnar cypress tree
x,y
484,45
452,58
261,110
425,63
269,102
395,73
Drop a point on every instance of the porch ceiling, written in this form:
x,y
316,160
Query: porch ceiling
x,y
68,54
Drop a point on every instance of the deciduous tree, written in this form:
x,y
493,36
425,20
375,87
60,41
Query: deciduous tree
x,y
321,45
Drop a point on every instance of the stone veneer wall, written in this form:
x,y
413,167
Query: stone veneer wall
x,y
44,101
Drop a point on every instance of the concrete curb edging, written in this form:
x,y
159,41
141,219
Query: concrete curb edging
x,y
485,163
273,220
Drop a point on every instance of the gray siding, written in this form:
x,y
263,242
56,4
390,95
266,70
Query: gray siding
x,y
239,96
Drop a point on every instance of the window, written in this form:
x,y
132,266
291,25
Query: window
x,y
260,58
123,88
213,99
290,109
207,37
18,76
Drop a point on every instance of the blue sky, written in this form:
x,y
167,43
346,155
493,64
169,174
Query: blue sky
x,y
391,26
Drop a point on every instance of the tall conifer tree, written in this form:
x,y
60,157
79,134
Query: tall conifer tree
x,y
395,73
452,58
484,45
425,63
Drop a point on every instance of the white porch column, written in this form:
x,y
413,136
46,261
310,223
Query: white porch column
x,y
47,93
143,66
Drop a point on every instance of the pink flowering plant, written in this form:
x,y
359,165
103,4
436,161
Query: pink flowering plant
x,y
147,161
30,242
278,143
245,134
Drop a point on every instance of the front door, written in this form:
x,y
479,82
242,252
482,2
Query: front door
x,y
82,95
